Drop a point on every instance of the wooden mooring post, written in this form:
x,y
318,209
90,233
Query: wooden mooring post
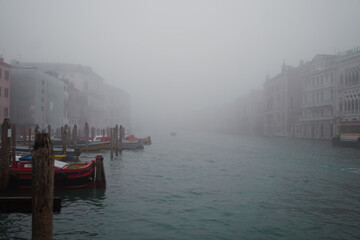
x,y
121,137
68,141
42,187
64,138
116,138
4,155
111,143
74,136
100,179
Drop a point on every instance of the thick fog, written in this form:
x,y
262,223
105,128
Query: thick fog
x,y
176,58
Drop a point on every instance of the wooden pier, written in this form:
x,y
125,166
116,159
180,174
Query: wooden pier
x,y
42,204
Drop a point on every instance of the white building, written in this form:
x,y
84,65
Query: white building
x,y
348,76
318,116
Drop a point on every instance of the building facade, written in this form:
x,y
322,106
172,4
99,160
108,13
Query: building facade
x,y
250,113
318,114
5,90
88,98
117,104
282,102
36,98
348,76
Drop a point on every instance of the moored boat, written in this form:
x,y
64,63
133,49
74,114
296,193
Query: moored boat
x,y
28,157
145,140
66,175
57,150
132,144
95,146
349,134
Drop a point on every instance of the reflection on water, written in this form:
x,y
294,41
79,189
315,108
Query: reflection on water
x,y
76,204
91,195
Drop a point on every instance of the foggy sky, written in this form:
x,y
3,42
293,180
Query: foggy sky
x,y
174,57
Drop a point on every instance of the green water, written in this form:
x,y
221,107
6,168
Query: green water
x,y
214,186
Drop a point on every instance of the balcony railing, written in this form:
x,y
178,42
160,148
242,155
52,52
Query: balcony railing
x,y
319,104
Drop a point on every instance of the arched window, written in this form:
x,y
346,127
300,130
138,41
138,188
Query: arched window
x,y
353,78
340,106
345,107
341,81
349,106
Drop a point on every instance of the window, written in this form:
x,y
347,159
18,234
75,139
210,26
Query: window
x,y
0,73
0,91
6,112
6,92
6,75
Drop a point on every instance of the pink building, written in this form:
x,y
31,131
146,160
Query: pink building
x,y
4,90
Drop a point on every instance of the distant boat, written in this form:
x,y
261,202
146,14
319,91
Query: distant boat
x,y
94,146
132,145
173,133
132,138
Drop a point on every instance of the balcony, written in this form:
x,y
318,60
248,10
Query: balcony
x,y
319,104
318,118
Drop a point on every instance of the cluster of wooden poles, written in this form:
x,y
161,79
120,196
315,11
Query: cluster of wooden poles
x,y
70,138
42,204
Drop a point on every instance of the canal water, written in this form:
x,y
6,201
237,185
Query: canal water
x,y
214,186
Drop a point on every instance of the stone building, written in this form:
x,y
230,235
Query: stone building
x,y
36,98
5,90
318,116
88,103
117,110
250,109
348,86
282,102
89,98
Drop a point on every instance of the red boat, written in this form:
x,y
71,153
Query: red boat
x,y
66,175
145,140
